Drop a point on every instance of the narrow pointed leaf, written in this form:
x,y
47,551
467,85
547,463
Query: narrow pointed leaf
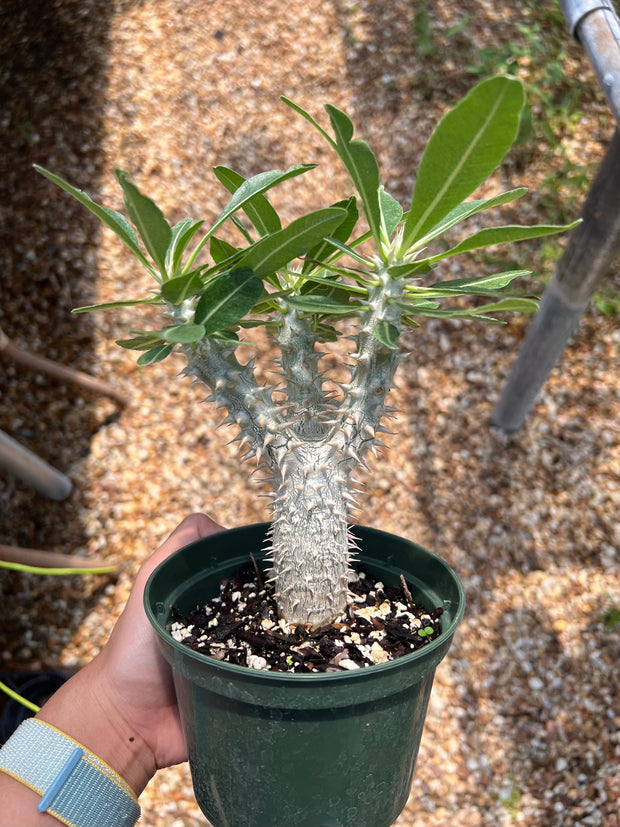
x,y
145,342
182,234
466,210
361,164
496,281
258,209
335,292
276,251
176,233
148,220
221,250
502,235
227,299
354,289
468,145
111,305
301,111
414,304
391,212
512,304
156,354
323,305
341,233
410,269
180,288
387,334
257,185
348,250
250,188
115,221
182,333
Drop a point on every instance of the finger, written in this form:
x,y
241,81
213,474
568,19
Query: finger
x,y
194,527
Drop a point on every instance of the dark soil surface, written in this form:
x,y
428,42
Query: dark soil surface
x,y
242,626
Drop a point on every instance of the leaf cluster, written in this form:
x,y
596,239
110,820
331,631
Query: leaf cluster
x,y
313,266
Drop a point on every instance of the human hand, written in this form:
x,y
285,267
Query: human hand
x,y
126,694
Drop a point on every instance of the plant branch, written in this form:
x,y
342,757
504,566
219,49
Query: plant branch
x,y
375,364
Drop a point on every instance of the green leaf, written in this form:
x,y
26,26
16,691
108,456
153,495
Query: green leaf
x,y
348,250
391,212
301,111
325,332
227,299
447,313
182,234
144,342
502,235
496,281
415,304
115,221
467,209
156,354
468,144
180,288
250,188
323,305
387,334
181,334
361,164
410,269
176,232
148,220
336,293
221,250
341,233
258,209
512,304
275,251
110,305
333,282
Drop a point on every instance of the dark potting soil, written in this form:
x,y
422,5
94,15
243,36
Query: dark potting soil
x,y
242,626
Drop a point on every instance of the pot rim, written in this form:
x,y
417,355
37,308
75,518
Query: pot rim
x,y
266,675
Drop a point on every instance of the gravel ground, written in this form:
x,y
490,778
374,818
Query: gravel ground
x,y
524,722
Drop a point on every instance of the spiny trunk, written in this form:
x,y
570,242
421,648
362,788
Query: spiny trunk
x,y
310,536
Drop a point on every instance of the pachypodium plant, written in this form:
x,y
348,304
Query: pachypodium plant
x,y
308,283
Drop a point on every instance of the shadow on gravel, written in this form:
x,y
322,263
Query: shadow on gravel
x,y
53,69
53,59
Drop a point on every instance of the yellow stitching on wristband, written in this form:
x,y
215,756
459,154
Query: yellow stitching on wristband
x,y
57,815
109,773
95,761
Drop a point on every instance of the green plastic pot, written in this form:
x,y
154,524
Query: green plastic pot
x,y
270,749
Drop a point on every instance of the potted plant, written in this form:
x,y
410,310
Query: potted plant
x,y
295,750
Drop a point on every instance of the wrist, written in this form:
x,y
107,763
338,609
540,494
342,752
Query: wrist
x,y
83,710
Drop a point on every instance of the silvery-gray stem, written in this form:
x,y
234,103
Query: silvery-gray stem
x,y
310,444
310,536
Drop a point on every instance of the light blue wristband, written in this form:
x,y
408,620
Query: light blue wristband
x,y
75,786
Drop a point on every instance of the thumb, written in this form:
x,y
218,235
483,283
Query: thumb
x,y
192,528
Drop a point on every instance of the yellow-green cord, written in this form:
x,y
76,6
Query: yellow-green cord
x,y
17,697
5,564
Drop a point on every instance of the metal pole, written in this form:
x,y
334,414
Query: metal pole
x,y
32,470
595,25
591,248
